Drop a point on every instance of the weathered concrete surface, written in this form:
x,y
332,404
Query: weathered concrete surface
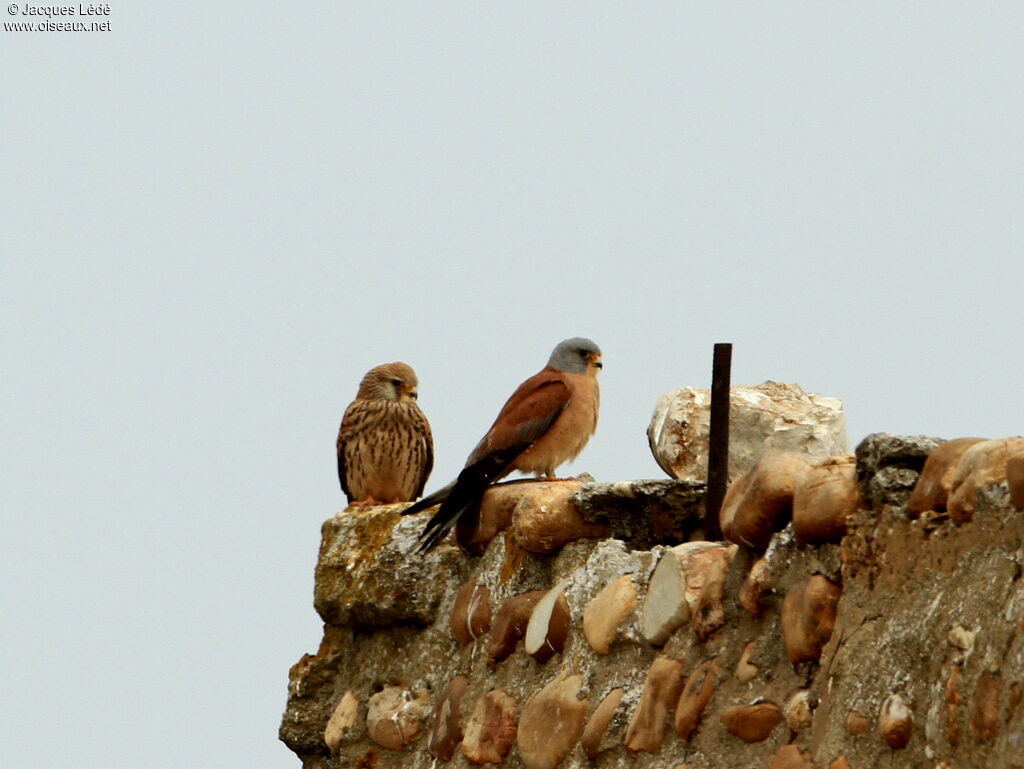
x,y
926,649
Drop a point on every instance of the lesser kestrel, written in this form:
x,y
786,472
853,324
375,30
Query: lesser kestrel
x,y
385,449
547,421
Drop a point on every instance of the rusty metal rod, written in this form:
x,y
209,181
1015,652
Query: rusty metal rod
x,y
718,440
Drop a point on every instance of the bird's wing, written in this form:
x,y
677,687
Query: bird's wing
x,y
351,423
525,417
422,427
342,470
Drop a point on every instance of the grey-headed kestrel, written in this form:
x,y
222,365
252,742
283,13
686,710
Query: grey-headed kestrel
x,y
385,449
547,421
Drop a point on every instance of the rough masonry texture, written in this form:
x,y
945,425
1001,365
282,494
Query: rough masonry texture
x,y
886,637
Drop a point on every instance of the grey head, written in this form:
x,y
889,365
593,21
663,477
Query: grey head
x,y
575,355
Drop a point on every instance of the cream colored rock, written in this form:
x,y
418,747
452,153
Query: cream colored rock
x,y
799,711
607,611
548,628
982,465
471,614
825,498
754,588
745,669
551,723
341,720
760,502
446,733
808,617
931,492
676,585
545,519
752,723
895,721
393,716
697,692
596,736
767,417
709,611
490,730
662,687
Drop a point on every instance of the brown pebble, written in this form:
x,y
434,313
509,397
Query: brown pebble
x,y
548,628
895,721
857,723
393,716
607,611
491,729
551,722
545,519
808,617
760,501
752,723
985,715
646,729
932,488
471,614
510,624
446,733
698,691
791,757
754,588
840,763
953,706
825,498
592,740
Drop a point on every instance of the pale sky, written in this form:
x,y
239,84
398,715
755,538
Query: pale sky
x,y
217,217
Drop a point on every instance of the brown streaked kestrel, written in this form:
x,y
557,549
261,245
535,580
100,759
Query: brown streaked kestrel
x,y
547,421
385,449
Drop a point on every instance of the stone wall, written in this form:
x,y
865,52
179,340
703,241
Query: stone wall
x,y
624,640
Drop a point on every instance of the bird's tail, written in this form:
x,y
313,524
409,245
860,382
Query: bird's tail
x,y
463,495
430,500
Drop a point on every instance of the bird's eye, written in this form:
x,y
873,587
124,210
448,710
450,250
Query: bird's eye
x,y
396,382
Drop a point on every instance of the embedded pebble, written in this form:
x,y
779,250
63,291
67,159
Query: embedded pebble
x,y
446,734
594,735
895,721
341,721
808,617
700,687
753,722
799,711
551,722
664,682
471,614
393,716
490,731
607,611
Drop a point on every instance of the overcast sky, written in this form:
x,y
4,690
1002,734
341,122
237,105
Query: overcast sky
x,y
216,217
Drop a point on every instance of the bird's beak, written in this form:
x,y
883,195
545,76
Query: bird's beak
x,y
413,393
595,360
